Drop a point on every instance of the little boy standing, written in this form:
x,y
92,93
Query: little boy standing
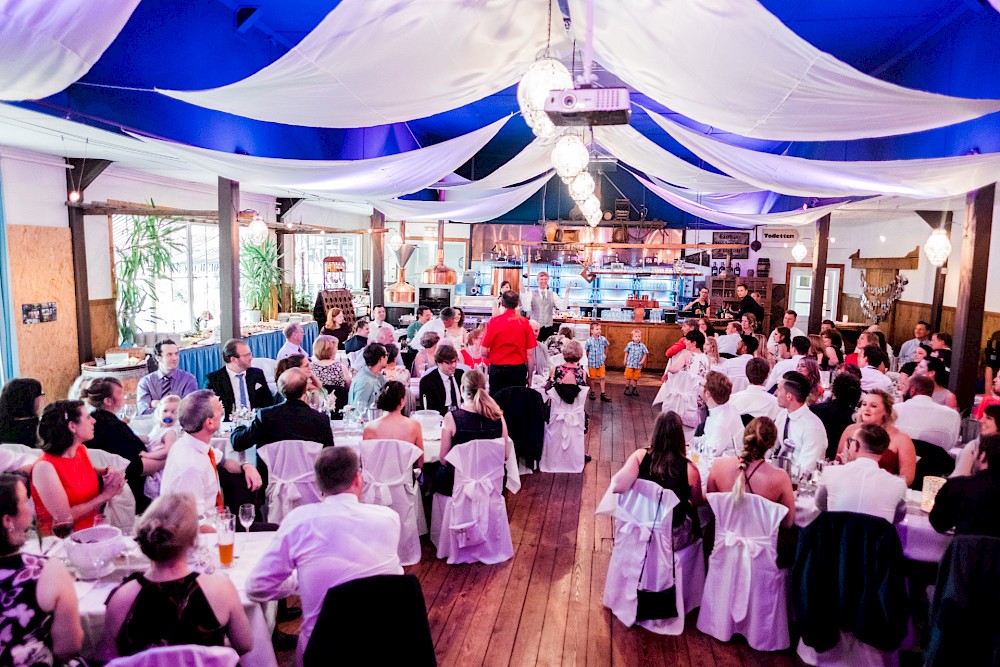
x,y
597,353
635,359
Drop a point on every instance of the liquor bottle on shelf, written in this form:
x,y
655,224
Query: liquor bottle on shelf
x,y
715,269
737,269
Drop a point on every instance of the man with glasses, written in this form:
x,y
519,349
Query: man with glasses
x,y
441,389
238,384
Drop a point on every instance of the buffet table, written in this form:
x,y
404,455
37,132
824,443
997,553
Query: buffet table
x,y
656,336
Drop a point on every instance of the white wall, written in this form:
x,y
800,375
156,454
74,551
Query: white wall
x,y
34,188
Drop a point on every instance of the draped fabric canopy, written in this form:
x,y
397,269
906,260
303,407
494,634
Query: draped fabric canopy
x,y
46,46
371,62
734,65
923,178
381,177
492,204
534,160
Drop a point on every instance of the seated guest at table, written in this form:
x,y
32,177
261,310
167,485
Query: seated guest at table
x,y
328,543
826,325
736,366
761,352
39,620
385,336
705,327
368,383
877,408
570,371
439,389
922,419
20,404
969,460
329,371
161,439
733,474
921,336
424,361
170,604
909,369
969,504
378,324
800,348
478,418
168,379
934,368
336,325
687,326
294,335
424,315
860,485
729,340
883,345
394,425
692,360
540,352
779,345
723,427
394,370
803,437
106,397
941,348
748,321
555,342
833,350
810,371
64,483
837,413
665,463
439,325
712,352
472,354
238,384
291,419
75,392
315,394
872,364
863,340
788,322
701,305
456,333
193,465
753,400
360,337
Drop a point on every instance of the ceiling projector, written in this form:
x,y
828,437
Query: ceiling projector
x,y
588,106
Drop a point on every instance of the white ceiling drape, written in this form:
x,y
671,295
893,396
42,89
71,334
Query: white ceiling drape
x,y
535,159
632,148
372,62
381,177
929,178
46,46
489,206
734,65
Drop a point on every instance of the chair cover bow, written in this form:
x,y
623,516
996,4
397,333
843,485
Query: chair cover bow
x,y
747,549
283,495
379,492
572,420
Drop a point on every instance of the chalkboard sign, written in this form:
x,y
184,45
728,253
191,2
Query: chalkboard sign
x,y
742,238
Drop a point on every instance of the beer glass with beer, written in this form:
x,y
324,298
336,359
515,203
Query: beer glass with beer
x,y
225,525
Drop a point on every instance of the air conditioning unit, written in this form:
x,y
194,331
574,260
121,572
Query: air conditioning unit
x,y
589,106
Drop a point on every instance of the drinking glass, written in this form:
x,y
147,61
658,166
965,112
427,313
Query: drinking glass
x,y
225,525
247,515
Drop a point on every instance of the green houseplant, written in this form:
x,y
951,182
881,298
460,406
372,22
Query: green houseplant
x,y
144,257
260,275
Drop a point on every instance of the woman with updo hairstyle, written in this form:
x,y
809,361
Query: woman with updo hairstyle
x,y
750,473
424,360
394,425
20,404
478,418
169,604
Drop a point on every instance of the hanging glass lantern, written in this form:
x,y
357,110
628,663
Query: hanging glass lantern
x,y
799,251
395,242
590,205
542,77
593,219
257,230
938,247
581,187
570,156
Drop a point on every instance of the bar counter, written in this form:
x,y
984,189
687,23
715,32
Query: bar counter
x,y
656,336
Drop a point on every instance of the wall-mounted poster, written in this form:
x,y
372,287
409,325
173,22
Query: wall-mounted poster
x,y
732,238
48,311
33,313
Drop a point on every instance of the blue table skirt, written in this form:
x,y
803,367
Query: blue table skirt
x,y
200,361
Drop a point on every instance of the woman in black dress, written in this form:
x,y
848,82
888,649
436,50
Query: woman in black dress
x,y
336,326
20,404
479,418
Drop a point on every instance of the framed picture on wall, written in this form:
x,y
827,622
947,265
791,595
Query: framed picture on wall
x,y
732,238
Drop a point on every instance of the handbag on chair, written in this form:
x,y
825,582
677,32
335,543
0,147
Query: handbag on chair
x,y
654,605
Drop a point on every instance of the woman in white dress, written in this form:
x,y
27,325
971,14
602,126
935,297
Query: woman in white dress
x,y
681,391
692,359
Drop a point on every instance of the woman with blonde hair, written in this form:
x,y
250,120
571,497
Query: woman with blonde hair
x,y
712,352
479,418
169,604
761,352
876,408
810,369
330,372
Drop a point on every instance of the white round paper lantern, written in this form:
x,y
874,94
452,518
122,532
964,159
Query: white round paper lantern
x,y
542,76
799,251
938,247
395,242
590,206
258,230
594,219
581,187
570,156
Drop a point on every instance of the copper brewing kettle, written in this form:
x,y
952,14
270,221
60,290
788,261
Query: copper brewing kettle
x,y
439,274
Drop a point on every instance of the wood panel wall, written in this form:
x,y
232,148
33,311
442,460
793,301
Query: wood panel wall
x,y
103,325
41,270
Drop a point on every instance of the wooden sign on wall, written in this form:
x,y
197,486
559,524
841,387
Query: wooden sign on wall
x,y
742,238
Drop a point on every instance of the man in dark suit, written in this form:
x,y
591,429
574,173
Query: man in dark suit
x,y
291,419
238,383
441,389
748,304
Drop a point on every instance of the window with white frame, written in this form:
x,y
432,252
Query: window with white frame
x,y
310,249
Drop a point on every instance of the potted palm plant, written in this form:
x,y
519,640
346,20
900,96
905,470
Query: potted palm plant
x,y
260,276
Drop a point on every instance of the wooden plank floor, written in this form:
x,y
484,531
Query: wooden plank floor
x,y
543,607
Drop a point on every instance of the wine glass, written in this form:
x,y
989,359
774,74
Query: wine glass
x,y
247,515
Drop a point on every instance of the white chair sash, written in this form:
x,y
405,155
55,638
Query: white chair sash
x,y
387,476
291,475
750,548
283,495
378,492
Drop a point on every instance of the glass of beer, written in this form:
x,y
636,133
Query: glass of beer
x,y
225,525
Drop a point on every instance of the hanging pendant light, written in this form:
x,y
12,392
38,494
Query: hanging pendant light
x,y
593,219
570,156
590,205
581,187
258,230
799,251
938,247
543,76
395,242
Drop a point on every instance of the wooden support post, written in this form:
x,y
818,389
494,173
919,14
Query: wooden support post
x,y
83,173
972,279
229,258
821,246
936,219
377,282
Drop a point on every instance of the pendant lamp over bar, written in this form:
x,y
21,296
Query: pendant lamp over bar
x,y
938,247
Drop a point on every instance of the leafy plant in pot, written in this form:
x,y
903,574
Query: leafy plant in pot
x,y
260,276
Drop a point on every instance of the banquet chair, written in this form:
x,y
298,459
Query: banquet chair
x,y
644,544
563,447
188,655
931,461
269,366
379,620
355,360
291,476
471,524
528,429
745,592
740,382
680,394
387,475
120,510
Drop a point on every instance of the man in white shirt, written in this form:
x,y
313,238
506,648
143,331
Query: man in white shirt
x,y
801,346
871,361
377,324
788,321
192,464
922,419
729,341
322,545
737,366
294,335
723,428
801,433
439,325
921,335
753,400
860,485
541,305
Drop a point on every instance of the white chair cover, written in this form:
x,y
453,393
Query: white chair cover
x,y
745,592
680,394
848,652
474,525
176,656
268,366
120,510
563,447
354,359
642,532
740,382
387,472
291,476
14,455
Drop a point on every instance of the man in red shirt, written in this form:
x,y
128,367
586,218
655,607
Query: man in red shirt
x,y
506,344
